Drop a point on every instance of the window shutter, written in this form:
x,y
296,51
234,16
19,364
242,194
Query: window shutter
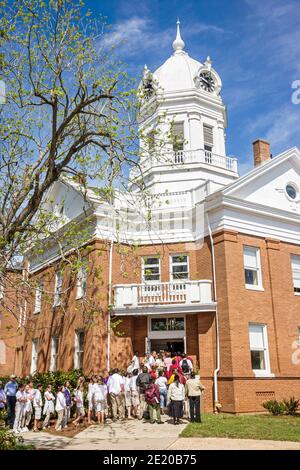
x,y
208,135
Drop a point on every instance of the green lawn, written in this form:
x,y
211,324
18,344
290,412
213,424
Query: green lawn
x,y
277,428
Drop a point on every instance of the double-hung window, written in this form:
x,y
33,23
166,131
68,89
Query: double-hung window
x,y
178,136
252,268
296,273
259,349
58,288
38,298
151,268
179,267
54,353
34,356
79,348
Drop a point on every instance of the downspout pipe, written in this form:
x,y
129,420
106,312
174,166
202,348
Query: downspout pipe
x,y
217,369
110,270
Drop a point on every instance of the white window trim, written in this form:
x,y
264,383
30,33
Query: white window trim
x,y
294,256
34,358
259,286
38,305
143,269
267,371
171,267
80,292
76,349
54,356
168,334
57,298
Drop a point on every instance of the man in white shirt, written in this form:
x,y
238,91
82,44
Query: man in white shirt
x,y
135,361
186,365
152,358
116,387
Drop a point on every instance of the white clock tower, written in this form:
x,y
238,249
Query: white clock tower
x,y
182,122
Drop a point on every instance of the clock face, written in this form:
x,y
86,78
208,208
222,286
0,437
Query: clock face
x,y
148,88
207,82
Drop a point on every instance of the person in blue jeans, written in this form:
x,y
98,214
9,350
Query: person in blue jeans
x,y
10,391
161,382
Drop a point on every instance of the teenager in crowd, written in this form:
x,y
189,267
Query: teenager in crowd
x,y
186,365
19,409
161,382
27,410
90,394
100,399
152,400
60,408
68,398
142,381
176,396
48,406
37,406
134,394
116,394
128,394
78,398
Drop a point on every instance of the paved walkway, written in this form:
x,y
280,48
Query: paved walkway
x,y
134,435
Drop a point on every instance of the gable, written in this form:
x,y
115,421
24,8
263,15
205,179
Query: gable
x,y
65,201
266,185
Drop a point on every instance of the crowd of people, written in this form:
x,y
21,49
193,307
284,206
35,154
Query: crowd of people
x,y
147,389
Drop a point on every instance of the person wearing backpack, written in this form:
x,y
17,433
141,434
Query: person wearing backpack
x,y
152,398
142,382
186,365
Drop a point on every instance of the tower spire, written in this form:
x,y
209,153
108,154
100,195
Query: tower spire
x,y
178,44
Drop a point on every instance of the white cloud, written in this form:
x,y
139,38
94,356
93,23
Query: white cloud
x,y
135,35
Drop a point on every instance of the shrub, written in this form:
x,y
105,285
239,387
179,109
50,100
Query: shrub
x,y
8,440
291,406
274,407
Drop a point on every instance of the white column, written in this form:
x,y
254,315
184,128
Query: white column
x,y
196,133
220,139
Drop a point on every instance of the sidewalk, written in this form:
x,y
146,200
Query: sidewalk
x,y
130,434
135,435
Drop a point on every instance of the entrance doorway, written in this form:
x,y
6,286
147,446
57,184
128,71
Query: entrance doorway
x,y
171,345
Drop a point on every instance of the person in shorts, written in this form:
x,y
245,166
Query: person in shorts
x,y
80,413
134,395
100,399
37,406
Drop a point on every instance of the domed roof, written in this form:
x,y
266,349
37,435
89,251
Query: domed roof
x,y
179,71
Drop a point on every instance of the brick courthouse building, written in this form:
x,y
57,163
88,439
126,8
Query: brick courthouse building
x,y
208,264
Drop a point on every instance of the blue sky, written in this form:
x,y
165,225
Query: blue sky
x,y
255,47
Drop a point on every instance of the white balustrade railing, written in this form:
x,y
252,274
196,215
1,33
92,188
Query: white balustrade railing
x,y
180,292
187,156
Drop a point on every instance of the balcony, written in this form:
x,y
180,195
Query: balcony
x,y
163,297
183,157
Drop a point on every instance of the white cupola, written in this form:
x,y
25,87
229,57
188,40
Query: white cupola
x,y
181,106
